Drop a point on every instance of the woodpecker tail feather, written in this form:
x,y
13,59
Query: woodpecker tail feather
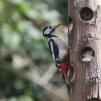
x,y
66,80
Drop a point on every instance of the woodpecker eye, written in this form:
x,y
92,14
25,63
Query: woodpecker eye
x,y
50,27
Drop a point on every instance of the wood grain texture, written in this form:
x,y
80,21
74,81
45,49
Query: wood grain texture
x,y
79,89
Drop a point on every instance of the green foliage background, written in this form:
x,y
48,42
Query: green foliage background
x,y
21,24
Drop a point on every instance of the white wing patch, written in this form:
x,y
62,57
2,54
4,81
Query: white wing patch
x,y
52,50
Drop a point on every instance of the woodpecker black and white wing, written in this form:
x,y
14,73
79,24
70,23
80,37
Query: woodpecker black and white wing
x,y
53,49
60,47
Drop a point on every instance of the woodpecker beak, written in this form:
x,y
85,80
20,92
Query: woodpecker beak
x,y
57,26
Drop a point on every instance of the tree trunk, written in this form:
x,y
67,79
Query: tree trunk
x,y
85,49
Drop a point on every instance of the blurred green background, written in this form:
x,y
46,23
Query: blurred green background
x,y
27,72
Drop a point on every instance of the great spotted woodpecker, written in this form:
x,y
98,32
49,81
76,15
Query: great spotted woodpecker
x,y
59,52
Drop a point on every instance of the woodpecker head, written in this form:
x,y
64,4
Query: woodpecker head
x,y
48,30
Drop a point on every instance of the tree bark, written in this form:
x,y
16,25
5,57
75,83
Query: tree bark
x,y
85,37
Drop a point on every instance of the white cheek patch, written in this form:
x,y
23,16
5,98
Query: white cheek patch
x,y
47,31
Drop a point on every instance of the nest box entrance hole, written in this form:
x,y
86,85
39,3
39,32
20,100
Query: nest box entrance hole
x,y
86,14
87,54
